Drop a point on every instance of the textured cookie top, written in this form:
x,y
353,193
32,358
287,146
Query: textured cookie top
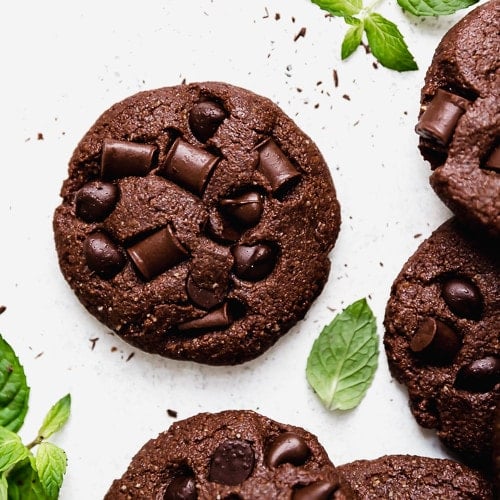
x,y
415,478
459,119
442,337
231,455
196,222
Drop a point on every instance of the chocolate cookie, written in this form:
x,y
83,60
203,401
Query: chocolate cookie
x,y
459,122
232,455
196,222
496,449
442,337
416,478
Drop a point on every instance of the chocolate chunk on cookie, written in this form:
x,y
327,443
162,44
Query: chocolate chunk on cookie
x,y
196,222
415,478
442,337
459,119
234,454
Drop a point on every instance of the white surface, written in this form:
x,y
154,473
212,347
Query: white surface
x,y
64,63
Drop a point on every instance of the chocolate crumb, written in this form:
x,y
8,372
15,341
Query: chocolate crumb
x,y
417,235
316,106
277,16
366,47
335,78
38,355
130,356
301,33
375,65
293,19
93,341
39,136
172,413
2,309
114,349
299,89
346,97
183,81
267,13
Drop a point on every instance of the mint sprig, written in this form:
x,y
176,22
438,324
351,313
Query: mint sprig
x,y
24,475
344,358
434,7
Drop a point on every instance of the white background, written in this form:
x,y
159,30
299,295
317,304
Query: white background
x,y
63,64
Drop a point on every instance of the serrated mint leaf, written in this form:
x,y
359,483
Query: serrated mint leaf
x,y
14,391
4,488
24,483
12,450
352,39
56,417
343,359
387,43
434,7
340,7
51,465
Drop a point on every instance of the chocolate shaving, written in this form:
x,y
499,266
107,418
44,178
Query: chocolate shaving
x,y
93,342
335,78
172,413
2,309
301,33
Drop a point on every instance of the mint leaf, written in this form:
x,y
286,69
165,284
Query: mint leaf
x,y
56,417
24,483
387,43
51,466
343,359
14,391
340,7
4,487
12,450
352,38
434,7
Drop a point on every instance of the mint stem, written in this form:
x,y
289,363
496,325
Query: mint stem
x,y
35,442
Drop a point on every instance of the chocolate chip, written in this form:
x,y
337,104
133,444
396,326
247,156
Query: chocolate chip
x,y
435,341
479,376
103,255
157,253
493,160
245,210
320,490
205,118
221,317
439,120
253,262
232,462
123,158
188,165
205,296
274,164
220,228
287,448
181,488
96,200
462,297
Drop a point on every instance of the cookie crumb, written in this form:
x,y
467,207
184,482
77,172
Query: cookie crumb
x,y
114,349
130,356
301,33
375,65
267,13
93,342
2,309
277,16
417,235
335,78
38,355
346,97
39,136
172,413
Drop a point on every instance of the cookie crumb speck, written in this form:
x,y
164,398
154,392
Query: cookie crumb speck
x,y
301,33
2,309
114,349
277,16
38,355
172,413
417,235
346,97
130,356
39,136
335,78
93,342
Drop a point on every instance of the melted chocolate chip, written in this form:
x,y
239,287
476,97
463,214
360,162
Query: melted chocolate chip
x,y
479,376
253,262
287,448
435,341
320,490
103,255
181,488
221,317
123,158
205,118
157,253
463,298
245,210
221,229
96,200
205,296
232,462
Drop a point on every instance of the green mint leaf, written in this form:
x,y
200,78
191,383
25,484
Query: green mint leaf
x,y
51,466
340,7
4,487
343,359
434,7
12,450
352,38
14,391
56,417
24,483
387,43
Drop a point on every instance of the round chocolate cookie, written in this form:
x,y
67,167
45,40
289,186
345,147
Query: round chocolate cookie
x,y
442,337
196,222
415,478
231,455
459,122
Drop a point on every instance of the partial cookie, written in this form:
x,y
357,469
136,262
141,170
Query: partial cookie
x,y
442,337
496,449
196,222
231,455
415,478
459,121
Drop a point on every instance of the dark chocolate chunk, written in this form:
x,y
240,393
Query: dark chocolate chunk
x,y
218,318
479,376
205,118
220,228
253,262
288,447
96,200
245,210
232,462
103,255
493,160
156,253
320,490
188,165
205,296
181,488
435,341
124,158
438,121
463,298
274,164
